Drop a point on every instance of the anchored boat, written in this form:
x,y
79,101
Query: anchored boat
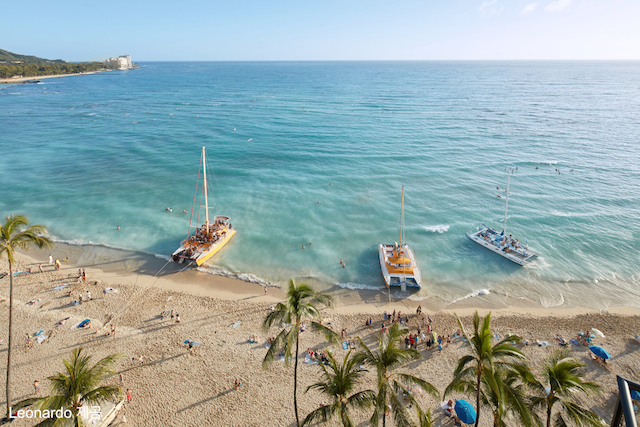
x,y
210,237
398,262
500,243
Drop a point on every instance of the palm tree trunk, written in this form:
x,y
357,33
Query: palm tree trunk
x,y
478,396
548,413
295,375
9,348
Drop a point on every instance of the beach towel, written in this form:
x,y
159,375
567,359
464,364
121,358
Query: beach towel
x,y
235,325
42,338
307,359
62,286
83,323
18,272
40,332
110,290
282,358
574,342
345,345
542,343
497,336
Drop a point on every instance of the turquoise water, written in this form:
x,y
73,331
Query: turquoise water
x,y
86,154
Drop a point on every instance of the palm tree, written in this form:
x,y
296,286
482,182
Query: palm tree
x,y
299,307
563,376
386,360
505,392
79,385
338,380
13,236
502,356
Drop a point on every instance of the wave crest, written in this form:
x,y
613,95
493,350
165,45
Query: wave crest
x,y
437,228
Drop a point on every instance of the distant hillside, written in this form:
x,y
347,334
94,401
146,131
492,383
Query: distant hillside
x,y
15,65
26,59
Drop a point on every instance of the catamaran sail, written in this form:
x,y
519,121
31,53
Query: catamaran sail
x,y
210,237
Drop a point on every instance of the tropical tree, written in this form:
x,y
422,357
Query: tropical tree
x,y
78,386
338,381
562,376
484,357
299,307
505,391
389,357
14,235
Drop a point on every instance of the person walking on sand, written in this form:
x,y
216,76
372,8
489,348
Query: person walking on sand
x,y
129,395
133,360
141,360
36,387
121,378
113,330
40,268
237,384
50,259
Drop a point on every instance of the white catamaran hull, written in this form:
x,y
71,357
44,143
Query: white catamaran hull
x,y
519,255
401,280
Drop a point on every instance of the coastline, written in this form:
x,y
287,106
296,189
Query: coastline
x,y
141,268
25,79
176,387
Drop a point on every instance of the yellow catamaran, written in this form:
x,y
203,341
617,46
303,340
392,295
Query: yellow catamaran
x,y
210,237
398,262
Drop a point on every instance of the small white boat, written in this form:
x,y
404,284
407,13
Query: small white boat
x,y
498,242
398,262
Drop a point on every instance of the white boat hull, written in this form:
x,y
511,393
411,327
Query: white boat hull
x,y
401,280
493,242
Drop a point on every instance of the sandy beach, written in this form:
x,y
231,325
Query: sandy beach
x,y
25,79
175,388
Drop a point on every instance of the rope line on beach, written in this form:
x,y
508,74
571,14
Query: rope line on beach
x,y
146,289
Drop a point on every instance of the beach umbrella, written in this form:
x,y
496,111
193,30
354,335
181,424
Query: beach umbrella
x,y
465,411
635,395
600,352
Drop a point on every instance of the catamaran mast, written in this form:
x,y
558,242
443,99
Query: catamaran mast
x,y
402,221
504,230
206,200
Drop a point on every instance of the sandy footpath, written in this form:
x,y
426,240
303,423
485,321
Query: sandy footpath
x,y
175,388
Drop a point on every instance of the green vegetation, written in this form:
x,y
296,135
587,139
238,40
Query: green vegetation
x,y
14,235
12,64
565,379
80,385
299,307
338,381
391,384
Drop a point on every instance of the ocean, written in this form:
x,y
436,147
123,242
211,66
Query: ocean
x,y
318,152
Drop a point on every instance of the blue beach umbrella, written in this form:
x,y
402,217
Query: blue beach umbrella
x,y
635,395
465,411
600,352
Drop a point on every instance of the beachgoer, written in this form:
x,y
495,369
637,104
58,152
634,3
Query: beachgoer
x,y
448,340
88,296
50,259
302,246
121,378
129,395
177,318
118,227
237,384
40,268
113,330
172,315
141,360
133,360
36,386
57,265
265,290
